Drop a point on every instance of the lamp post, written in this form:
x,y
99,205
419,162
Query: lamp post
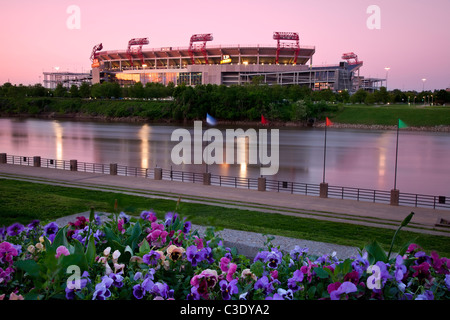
x,y
387,70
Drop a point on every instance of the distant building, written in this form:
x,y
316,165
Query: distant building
x,y
52,79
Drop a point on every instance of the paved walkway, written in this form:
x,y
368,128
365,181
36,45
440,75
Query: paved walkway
x,y
347,211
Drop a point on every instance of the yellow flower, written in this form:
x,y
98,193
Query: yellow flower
x,y
175,253
161,255
40,247
246,273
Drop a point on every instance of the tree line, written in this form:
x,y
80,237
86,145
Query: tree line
x,y
236,102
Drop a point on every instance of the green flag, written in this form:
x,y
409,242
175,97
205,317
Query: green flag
x,y
401,124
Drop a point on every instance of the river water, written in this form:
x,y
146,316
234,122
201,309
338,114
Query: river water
x,y
354,157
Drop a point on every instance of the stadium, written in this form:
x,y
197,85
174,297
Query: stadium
x,y
285,62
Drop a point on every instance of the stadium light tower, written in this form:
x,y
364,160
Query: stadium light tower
x,y
290,36
423,86
136,42
203,38
387,70
94,53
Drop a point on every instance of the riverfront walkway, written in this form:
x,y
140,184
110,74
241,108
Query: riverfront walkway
x,y
337,210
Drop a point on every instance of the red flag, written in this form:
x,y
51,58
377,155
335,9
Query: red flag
x,y
328,122
263,120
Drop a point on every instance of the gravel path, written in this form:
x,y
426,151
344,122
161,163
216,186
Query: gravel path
x,y
249,243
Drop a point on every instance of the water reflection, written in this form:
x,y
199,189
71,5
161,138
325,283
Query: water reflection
x,y
58,140
144,135
358,158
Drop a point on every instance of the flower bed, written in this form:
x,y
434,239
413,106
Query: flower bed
x,y
146,258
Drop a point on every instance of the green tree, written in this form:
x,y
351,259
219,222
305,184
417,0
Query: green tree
x,y
73,91
60,90
359,96
85,90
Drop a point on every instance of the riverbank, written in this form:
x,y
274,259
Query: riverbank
x,y
271,124
355,116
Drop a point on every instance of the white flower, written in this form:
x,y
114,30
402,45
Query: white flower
x,y
116,255
107,251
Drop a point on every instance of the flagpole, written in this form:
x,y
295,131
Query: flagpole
x,y
325,152
396,157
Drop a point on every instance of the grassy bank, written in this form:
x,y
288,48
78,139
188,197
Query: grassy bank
x,y
414,116
24,201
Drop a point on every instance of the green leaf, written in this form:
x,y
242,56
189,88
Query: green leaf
x,y
29,266
375,252
343,268
60,239
321,273
145,247
407,219
90,251
311,292
135,234
110,235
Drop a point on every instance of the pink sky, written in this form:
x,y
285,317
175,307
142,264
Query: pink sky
x,y
414,38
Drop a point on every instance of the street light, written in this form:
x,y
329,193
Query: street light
x,y
387,69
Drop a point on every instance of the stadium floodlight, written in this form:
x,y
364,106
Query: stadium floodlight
x,y
387,70
423,86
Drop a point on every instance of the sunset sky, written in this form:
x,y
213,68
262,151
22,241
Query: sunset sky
x,y
413,39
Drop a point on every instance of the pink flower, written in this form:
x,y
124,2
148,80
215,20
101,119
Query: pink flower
x,y
7,252
61,250
120,226
224,262
422,271
231,270
412,248
274,274
157,237
198,242
441,265
14,296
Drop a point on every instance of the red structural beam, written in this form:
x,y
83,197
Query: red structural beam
x,y
287,36
203,38
136,42
351,57
94,53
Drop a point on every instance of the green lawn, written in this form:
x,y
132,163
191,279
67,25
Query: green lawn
x,y
24,201
416,116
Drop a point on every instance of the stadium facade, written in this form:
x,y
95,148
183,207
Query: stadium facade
x,y
284,63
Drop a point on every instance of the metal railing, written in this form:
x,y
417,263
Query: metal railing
x,y
339,192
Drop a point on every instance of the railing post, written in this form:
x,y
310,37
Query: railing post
x,y
113,169
73,165
324,190
395,197
36,161
261,184
2,157
206,178
158,173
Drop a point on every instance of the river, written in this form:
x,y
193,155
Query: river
x,y
354,157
